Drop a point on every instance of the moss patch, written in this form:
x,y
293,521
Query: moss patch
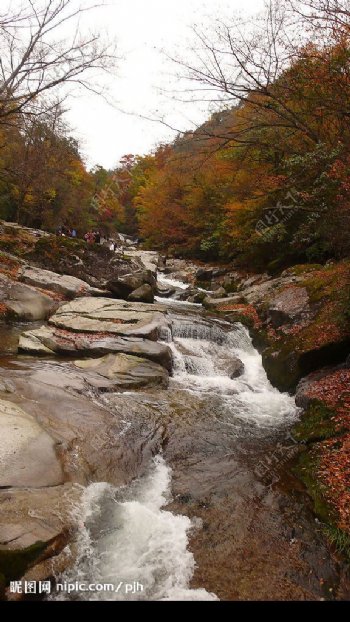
x,y
13,564
316,423
306,469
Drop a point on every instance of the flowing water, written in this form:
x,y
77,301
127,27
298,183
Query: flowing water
x,y
216,513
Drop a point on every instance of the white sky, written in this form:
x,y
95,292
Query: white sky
x,y
142,28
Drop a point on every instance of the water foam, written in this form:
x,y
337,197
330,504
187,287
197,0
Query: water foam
x,y
129,537
202,355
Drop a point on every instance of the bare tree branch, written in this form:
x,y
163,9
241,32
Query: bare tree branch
x,y
37,57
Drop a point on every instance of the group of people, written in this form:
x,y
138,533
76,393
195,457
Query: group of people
x,y
66,232
93,237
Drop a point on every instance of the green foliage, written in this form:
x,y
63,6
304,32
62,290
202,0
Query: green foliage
x,y
339,539
316,423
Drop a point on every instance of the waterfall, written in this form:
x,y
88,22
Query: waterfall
x,y
203,355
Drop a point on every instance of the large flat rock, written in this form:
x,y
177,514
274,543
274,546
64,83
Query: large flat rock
x,y
27,452
24,302
118,317
126,371
52,340
68,403
68,286
31,515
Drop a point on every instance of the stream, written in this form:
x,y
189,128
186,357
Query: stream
x,y
216,513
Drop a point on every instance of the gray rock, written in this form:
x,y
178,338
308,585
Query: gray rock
x,y
24,302
127,371
31,515
103,315
235,368
68,286
125,285
50,340
27,452
213,303
289,306
204,274
149,259
91,438
229,284
145,293
161,262
197,297
164,291
220,293
217,272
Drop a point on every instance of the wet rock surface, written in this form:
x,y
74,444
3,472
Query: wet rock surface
x,y
103,315
27,452
126,371
50,340
22,302
68,286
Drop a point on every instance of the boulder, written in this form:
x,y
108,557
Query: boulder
x,y
235,368
149,259
217,272
35,528
50,340
196,297
291,305
27,452
161,262
68,286
23,302
230,284
104,315
31,515
220,293
125,285
204,274
145,293
165,291
127,371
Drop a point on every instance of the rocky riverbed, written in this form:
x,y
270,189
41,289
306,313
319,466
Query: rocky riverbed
x,y
135,403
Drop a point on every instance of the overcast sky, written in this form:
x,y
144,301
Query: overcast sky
x,y
142,28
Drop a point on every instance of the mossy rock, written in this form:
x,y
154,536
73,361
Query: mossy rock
x,y
281,364
316,423
55,245
306,469
231,288
301,269
14,563
203,284
233,316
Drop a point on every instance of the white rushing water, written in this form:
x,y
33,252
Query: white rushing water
x,y
204,354
130,541
169,282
